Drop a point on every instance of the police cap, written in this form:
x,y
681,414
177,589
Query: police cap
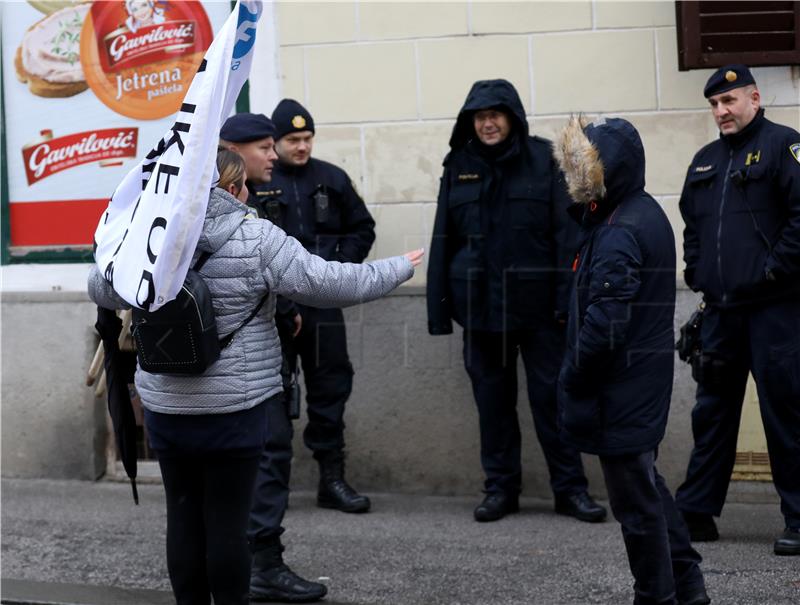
x,y
246,127
727,78
289,116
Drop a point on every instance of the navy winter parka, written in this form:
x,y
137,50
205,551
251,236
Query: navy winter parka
x,y
502,240
741,206
616,380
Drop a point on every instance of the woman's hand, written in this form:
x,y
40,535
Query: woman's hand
x,y
415,256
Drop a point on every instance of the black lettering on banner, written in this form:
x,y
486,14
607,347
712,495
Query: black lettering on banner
x,y
156,151
153,154
151,291
136,207
178,127
124,235
159,221
169,171
147,172
188,108
109,273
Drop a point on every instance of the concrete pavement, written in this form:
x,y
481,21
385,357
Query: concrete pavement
x,y
86,543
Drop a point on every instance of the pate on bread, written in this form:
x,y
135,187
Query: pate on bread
x,y
48,59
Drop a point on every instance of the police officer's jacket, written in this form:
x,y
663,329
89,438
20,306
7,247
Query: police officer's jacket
x,y
317,204
502,241
616,379
741,206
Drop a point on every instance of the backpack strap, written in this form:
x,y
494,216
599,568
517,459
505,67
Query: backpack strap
x,y
224,342
201,260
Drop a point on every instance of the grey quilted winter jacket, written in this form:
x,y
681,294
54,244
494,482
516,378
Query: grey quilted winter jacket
x,y
250,258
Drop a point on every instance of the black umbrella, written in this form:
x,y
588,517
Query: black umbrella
x,y
119,373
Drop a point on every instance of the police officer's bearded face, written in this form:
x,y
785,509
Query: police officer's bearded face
x,y
491,125
735,109
259,157
294,148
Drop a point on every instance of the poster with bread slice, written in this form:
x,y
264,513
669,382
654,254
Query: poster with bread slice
x,y
48,58
79,111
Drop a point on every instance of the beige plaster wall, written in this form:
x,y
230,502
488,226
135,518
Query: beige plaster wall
x,y
384,81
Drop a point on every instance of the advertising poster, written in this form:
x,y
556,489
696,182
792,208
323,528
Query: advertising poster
x,y
87,87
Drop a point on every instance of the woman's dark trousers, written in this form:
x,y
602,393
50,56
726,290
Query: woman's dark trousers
x,y
208,505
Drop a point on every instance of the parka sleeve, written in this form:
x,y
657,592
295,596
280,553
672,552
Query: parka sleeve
x,y
290,270
691,242
358,226
566,234
614,281
784,260
101,292
437,291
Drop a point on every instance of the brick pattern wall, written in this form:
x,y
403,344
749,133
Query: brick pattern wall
x,y
384,81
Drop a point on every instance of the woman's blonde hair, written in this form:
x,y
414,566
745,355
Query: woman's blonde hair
x,y
231,169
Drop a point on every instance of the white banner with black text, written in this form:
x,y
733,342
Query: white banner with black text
x,y
147,236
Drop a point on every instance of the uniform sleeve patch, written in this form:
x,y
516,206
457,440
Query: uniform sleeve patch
x,y
794,149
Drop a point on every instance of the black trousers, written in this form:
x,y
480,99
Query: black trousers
x,y
208,503
491,362
271,494
764,340
321,346
661,557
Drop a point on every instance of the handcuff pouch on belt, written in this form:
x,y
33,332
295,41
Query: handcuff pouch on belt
x,y
708,368
294,394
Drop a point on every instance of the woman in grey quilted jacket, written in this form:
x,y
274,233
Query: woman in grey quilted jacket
x,y
208,430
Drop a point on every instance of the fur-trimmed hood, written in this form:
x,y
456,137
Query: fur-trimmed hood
x,y
603,161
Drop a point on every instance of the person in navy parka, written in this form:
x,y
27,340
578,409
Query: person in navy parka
x,y
616,379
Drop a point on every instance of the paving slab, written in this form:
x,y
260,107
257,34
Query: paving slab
x,y
411,549
28,592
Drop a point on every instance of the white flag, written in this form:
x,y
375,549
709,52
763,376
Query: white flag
x,y
147,236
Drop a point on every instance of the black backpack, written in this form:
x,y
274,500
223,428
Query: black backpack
x,y
181,337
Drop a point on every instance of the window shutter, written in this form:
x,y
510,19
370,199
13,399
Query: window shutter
x,y
712,34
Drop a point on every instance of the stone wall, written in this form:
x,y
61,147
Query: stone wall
x,y
385,80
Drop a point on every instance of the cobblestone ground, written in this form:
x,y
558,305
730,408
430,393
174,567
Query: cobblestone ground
x,y
409,550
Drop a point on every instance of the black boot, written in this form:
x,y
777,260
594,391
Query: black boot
x,y
334,491
496,505
581,506
272,580
788,543
701,527
699,597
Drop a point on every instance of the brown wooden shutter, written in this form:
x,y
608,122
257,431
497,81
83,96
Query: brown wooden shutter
x,y
712,34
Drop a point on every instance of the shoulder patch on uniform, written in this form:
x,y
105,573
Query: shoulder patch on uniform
x,y
703,168
469,177
794,149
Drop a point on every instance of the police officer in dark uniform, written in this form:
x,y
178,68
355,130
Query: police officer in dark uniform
x,y
499,266
741,206
252,136
315,202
